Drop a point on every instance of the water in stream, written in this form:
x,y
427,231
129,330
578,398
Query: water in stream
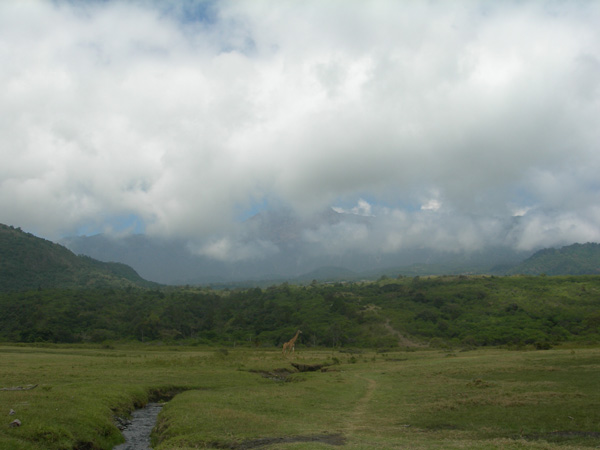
x,y
137,433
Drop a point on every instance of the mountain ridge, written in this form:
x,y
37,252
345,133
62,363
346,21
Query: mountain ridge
x,y
574,259
52,265
30,262
280,246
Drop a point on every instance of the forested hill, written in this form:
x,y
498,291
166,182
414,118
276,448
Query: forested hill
x,y
576,259
29,262
437,311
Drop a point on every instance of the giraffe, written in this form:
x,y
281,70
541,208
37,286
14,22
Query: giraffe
x,y
289,345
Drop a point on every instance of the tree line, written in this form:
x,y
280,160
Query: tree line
x,y
466,311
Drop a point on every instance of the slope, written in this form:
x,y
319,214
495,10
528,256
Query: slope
x,y
576,259
29,262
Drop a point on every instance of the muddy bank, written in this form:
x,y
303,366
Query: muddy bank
x,y
331,439
137,430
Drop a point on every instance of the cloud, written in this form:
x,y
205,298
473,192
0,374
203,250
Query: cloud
x,y
363,208
541,229
181,116
230,250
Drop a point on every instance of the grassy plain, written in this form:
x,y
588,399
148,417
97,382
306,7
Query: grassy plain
x,y
239,398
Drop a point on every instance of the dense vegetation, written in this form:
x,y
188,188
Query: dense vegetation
x,y
48,294
29,262
471,311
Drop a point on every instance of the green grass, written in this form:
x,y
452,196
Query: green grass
x,y
490,398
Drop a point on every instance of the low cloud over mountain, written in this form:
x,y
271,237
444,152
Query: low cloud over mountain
x,y
280,245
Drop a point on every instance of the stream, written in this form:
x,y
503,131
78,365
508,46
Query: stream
x,y
137,431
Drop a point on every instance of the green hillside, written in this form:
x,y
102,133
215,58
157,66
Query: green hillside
x,y
48,294
29,262
576,259
453,310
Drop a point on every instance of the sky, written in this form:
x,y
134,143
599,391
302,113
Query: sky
x,y
452,125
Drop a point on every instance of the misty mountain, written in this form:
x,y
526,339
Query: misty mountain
x,y
277,245
576,259
29,262
269,245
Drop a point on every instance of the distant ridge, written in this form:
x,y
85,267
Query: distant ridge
x,y
576,259
29,262
276,245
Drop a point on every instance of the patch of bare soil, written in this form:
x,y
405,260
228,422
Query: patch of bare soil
x,y
403,341
275,374
330,439
308,367
284,373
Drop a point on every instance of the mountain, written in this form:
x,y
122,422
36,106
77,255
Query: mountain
x,y
29,262
276,246
576,259
271,245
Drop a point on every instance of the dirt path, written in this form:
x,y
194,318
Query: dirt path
x,y
403,341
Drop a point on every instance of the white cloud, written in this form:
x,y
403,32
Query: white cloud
x,y
362,208
432,205
230,250
539,229
123,108
520,211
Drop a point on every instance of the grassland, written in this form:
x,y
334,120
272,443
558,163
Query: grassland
x,y
241,398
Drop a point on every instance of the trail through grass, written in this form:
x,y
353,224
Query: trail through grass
x,y
358,418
